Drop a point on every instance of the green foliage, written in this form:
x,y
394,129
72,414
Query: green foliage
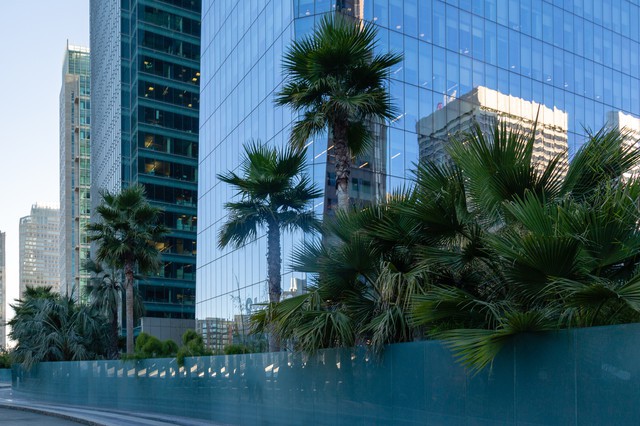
x,y
482,248
236,349
6,358
50,327
335,74
274,195
127,231
105,294
126,235
336,82
192,345
148,346
273,190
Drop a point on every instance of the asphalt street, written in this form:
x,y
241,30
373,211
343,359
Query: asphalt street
x,y
26,418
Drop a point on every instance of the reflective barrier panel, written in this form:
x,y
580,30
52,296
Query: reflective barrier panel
x,y
586,376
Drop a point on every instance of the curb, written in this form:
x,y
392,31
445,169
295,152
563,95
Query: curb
x,y
51,414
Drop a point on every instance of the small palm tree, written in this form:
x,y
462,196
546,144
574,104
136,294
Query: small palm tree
x,y
127,234
336,81
50,327
274,194
105,296
480,249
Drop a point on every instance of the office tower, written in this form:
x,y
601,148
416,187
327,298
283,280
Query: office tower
x,y
145,57
580,58
75,149
3,291
485,107
39,246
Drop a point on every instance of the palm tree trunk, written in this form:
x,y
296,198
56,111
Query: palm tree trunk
x,y
274,262
128,290
113,340
343,162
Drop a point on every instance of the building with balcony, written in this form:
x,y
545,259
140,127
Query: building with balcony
x,y
75,179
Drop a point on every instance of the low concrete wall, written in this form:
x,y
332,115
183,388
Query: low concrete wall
x,y
587,376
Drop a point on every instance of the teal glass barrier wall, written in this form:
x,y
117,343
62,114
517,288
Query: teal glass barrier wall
x,y
586,376
5,375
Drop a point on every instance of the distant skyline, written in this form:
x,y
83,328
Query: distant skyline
x,y
35,35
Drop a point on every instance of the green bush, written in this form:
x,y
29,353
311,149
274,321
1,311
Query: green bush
x,y
237,348
148,346
6,358
193,345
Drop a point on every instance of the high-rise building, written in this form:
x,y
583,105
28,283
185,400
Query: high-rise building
x,y
629,126
75,180
578,58
145,61
39,247
484,107
3,292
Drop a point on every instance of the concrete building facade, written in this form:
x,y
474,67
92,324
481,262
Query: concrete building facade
x,y
75,179
39,249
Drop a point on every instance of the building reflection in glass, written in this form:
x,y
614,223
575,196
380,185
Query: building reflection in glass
x,y
484,106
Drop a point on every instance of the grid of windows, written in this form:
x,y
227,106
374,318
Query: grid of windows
x,y
577,60
39,254
158,101
75,173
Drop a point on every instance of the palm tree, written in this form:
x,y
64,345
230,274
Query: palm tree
x,y
482,248
336,81
557,249
105,296
127,234
274,194
363,286
50,327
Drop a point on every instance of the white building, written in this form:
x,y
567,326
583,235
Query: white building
x,y
484,106
629,126
40,249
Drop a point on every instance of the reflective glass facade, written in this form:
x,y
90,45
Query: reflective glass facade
x,y
3,291
575,61
75,179
148,129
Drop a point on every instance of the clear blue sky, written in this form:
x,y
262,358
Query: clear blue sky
x,y
34,35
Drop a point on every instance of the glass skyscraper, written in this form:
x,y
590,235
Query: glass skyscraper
x,y
576,63
145,90
75,179
3,291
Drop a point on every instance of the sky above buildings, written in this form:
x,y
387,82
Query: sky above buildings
x,y
34,35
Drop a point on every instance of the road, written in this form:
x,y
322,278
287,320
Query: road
x,y
26,418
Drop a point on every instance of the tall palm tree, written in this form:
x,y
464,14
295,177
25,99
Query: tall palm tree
x,y
337,82
105,296
127,234
274,194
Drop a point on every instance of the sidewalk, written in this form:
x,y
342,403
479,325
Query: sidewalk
x,y
94,416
